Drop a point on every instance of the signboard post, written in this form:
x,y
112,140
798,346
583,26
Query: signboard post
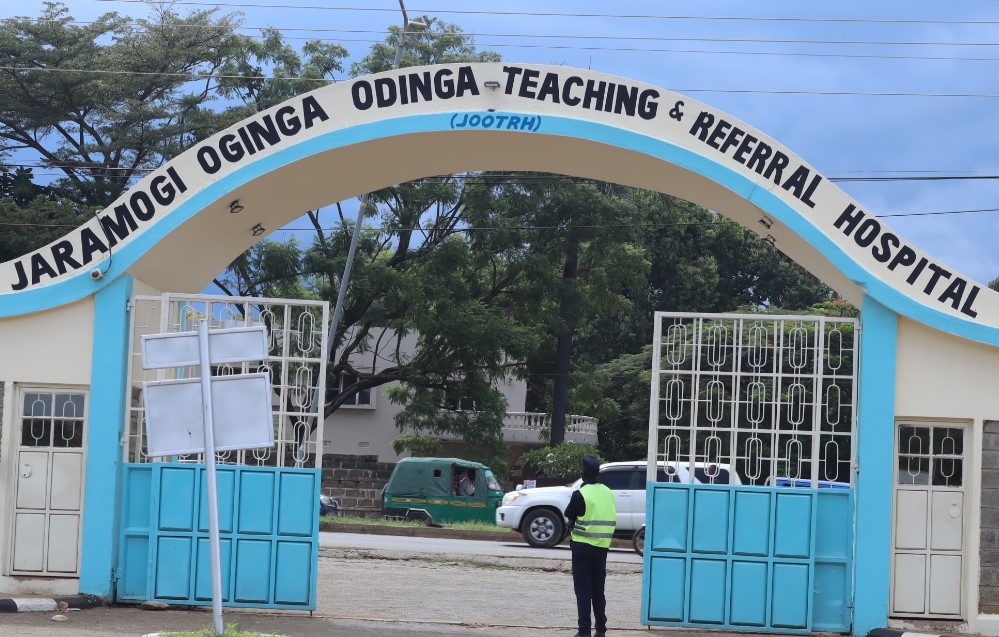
x,y
242,408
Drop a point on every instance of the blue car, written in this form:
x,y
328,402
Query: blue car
x,y
807,484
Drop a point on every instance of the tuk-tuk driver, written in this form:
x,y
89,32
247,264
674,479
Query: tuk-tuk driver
x,y
465,485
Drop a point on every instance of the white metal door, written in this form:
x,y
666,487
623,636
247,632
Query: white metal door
x,y
928,525
48,495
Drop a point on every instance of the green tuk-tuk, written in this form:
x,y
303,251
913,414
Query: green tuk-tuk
x,y
442,490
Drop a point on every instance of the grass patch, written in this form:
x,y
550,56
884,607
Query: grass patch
x,y
232,630
463,526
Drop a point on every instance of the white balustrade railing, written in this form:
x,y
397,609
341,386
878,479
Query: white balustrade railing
x,y
536,421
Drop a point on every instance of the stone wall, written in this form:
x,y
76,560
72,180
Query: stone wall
x,y
988,574
356,482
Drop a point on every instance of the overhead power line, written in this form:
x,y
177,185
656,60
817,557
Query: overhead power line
x,y
199,76
624,38
623,16
512,179
581,36
555,47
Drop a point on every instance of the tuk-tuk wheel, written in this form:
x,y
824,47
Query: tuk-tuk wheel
x,y
543,528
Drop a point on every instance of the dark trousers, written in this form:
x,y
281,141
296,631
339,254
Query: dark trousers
x,y
589,572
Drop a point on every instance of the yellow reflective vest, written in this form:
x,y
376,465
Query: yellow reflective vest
x,y
596,525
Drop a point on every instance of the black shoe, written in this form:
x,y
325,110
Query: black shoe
x,y
600,634
581,635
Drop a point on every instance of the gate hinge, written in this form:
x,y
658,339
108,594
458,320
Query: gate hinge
x,y
129,305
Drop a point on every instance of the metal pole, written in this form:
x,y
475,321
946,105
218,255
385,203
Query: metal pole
x,y
342,292
211,486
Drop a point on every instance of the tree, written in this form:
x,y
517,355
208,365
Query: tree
x,y
698,262
573,238
36,222
103,102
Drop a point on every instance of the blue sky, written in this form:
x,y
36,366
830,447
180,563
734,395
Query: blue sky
x,y
846,135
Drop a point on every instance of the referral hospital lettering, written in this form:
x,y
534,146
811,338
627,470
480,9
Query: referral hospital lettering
x,y
572,93
885,247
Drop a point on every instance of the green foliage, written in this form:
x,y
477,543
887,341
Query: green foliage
x,y
418,446
35,223
561,461
102,101
437,43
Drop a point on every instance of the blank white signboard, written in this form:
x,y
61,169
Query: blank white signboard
x,y
241,415
180,349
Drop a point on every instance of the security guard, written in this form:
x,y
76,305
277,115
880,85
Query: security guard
x,y
592,517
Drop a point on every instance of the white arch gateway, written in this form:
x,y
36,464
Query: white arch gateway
x,y
929,334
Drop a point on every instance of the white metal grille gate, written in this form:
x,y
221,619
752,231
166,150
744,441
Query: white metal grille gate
x,y
742,408
773,397
297,333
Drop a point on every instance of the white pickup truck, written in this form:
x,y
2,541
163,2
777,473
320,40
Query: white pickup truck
x,y
538,513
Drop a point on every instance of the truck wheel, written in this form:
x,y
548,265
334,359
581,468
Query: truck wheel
x,y
543,528
638,541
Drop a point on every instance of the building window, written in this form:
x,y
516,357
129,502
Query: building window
x,y
364,399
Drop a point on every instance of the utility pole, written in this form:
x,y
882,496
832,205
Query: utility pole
x,y
348,267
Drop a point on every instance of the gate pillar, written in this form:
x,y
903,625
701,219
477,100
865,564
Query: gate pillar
x,y
875,455
102,489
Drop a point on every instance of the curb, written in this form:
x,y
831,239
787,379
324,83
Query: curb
x,y
415,531
49,604
894,632
508,535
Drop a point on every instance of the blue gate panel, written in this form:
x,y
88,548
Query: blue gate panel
x,y
269,528
293,573
225,482
790,596
835,518
133,554
203,574
177,498
669,573
671,504
707,591
173,568
833,561
793,526
252,581
710,529
137,518
831,606
748,594
134,558
256,502
297,501
751,524
765,559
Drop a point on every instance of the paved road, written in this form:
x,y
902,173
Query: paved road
x,y
458,547
411,587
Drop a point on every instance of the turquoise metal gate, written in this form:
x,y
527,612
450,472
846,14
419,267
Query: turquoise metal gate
x,y
748,558
269,521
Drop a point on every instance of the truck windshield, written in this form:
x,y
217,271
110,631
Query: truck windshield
x,y
491,481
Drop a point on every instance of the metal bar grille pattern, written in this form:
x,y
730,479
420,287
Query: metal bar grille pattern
x,y
297,340
773,397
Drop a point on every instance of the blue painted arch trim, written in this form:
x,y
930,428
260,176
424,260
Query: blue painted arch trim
x,y
79,286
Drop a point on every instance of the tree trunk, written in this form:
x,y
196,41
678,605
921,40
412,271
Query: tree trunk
x,y
563,351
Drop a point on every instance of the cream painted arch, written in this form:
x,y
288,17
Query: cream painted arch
x,y
340,141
